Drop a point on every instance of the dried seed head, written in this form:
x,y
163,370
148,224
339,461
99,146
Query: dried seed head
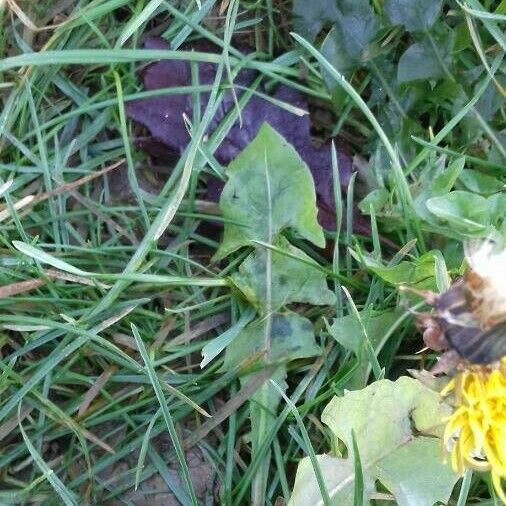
x,y
472,312
486,282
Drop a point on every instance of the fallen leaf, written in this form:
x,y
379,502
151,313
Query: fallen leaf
x,y
198,330
163,117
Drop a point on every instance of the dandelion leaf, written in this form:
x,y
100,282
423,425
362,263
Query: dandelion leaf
x,y
269,189
294,278
291,337
397,426
264,406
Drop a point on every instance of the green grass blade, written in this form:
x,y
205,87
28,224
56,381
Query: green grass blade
x,y
46,258
155,382
144,448
358,491
66,496
309,447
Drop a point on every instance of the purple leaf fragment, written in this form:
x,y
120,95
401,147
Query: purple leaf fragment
x,y
163,117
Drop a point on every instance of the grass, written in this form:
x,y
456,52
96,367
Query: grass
x,y
136,297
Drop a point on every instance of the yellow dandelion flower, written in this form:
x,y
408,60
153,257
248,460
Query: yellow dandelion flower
x,y
476,431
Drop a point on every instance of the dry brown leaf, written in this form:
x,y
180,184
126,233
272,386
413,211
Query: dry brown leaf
x,y
94,390
25,20
125,340
94,439
9,425
25,201
31,200
31,284
78,182
223,7
199,329
20,287
65,276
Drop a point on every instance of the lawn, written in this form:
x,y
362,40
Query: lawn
x,y
223,226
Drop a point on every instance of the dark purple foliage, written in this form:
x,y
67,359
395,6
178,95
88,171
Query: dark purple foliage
x,y
163,116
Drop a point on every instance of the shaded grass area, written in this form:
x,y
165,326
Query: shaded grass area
x,y
101,387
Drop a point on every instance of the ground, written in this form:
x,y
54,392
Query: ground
x,y
187,291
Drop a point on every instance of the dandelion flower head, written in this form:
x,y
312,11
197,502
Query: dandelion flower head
x,y
476,431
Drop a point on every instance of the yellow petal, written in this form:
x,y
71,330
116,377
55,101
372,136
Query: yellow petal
x,y
496,481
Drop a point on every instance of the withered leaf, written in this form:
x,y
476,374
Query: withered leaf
x,y
163,117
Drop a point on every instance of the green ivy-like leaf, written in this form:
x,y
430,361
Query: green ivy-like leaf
x,y
379,199
397,426
419,273
411,473
333,49
339,476
497,203
310,17
487,107
478,182
356,26
269,189
346,45
291,280
490,102
435,183
467,212
415,15
421,61
444,181
291,337
348,332
418,62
